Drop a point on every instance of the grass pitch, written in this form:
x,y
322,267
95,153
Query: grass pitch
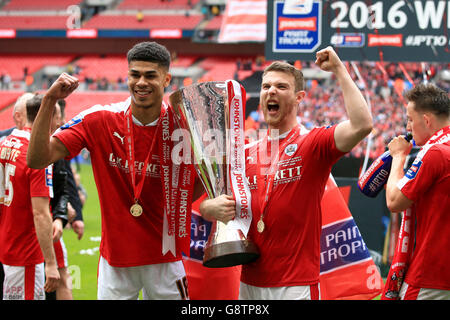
x,y
83,255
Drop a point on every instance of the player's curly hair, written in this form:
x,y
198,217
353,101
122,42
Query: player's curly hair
x,y
428,97
289,69
150,51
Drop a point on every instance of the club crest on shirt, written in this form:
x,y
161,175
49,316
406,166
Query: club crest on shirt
x,y
412,171
71,123
290,149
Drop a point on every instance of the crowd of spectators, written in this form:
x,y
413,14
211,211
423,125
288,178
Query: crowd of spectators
x,y
382,84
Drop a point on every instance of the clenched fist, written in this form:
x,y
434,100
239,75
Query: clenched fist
x,y
63,86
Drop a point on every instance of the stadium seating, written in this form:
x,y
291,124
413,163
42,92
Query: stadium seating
x,y
30,22
6,119
14,64
218,68
79,101
36,5
109,21
156,4
76,102
7,98
109,67
113,67
184,61
214,23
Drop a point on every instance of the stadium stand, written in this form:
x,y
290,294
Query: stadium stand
x,y
214,23
7,98
80,101
129,21
218,68
94,67
383,83
156,4
39,5
76,103
31,22
15,65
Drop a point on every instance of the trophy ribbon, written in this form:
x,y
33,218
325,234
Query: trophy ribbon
x,y
236,166
176,180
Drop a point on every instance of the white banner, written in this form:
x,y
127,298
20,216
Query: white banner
x,y
244,20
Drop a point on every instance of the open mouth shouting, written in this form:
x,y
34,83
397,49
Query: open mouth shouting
x,y
272,108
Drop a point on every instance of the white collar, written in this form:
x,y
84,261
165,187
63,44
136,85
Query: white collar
x,y
152,124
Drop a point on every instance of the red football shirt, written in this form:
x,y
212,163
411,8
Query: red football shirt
x,y
290,244
127,241
427,183
19,245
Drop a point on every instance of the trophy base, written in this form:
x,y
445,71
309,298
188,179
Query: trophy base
x,y
229,254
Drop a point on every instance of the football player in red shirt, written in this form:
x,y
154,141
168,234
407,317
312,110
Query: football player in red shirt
x,y
126,144
26,229
286,227
425,188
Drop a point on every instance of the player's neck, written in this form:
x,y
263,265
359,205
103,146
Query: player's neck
x,y
277,130
146,115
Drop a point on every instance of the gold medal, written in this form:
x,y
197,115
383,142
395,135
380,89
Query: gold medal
x,y
260,225
136,210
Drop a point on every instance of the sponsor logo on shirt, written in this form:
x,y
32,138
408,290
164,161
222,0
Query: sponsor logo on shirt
x,y
152,170
13,143
412,171
289,170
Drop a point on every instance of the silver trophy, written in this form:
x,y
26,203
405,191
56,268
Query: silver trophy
x,y
203,110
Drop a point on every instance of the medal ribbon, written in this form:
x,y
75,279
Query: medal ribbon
x,y
265,187
177,201
236,167
137,188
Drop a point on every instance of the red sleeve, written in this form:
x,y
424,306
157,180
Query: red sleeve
x,y
423,174
73,135
41,183
324,143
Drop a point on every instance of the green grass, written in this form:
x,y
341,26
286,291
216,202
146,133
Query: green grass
x,y
83,267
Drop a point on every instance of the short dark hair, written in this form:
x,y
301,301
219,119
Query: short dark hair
x,y
289,69
428,97
150,51
33,105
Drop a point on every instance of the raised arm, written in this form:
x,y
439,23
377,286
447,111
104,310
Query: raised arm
x,y
350,132
44,149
